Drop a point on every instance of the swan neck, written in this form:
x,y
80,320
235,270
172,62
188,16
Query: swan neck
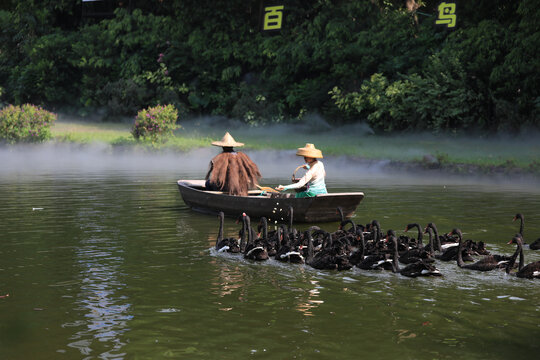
x,y
521,257
375,234
341,216
430,234
459,254
243,237
220,232
437,239
310,249
248,229
420,237
395,262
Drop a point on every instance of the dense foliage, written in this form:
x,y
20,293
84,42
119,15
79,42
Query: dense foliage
x,y
155,124
26,123
384,62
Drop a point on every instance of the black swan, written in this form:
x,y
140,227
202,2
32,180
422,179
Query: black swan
x,y
437,244
376,225
487,263
521,222
420,236
352,229
318,238
416,269
378,257
351,234
430,244
254,249
269,242
262,228
228,244
287,251
535,245
358,256
415,254
323,259
450,254
328,258
373,240
529,271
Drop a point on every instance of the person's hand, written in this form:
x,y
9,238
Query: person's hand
x,y
280,188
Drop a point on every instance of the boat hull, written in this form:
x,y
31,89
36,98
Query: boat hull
x,y
321,208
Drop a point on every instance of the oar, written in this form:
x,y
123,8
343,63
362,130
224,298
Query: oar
x,y
267,189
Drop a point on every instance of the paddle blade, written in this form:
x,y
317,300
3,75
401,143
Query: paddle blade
x,y
267,189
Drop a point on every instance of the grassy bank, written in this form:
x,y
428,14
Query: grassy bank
x,y
429,151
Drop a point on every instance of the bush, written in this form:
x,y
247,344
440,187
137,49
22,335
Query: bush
x,y
155,123
26,123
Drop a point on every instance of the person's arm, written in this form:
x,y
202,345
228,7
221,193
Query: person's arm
x,y
303,181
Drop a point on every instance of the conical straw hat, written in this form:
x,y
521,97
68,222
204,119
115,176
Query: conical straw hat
x,y
309,151
227,141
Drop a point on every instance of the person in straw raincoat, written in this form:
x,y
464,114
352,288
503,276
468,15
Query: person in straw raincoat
x,y
314,177
231,171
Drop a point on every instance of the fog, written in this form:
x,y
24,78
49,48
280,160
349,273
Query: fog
x,y
276,166
315,124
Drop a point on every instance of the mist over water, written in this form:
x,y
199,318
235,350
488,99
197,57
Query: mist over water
x,y
276,166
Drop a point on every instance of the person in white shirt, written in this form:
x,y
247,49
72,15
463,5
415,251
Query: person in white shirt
x,y
314,177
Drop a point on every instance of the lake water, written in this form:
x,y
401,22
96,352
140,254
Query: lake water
x,y
100,259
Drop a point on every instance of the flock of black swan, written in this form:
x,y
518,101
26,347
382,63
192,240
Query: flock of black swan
x,y
368,248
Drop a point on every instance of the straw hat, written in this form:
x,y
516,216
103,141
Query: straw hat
x,y
309,151
227,141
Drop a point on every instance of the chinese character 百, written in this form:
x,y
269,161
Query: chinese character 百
x,y
447,14
272,17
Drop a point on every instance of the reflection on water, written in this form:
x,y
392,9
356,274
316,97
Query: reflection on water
x,y
229,279
310,299
106,314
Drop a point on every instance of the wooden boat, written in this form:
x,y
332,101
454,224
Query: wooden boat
x,y
273,206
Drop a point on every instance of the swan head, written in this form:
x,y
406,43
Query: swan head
x,y
410,226
517,239
455,231
518,216
389,234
